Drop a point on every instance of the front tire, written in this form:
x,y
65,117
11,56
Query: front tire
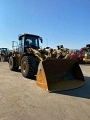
x,y
29,66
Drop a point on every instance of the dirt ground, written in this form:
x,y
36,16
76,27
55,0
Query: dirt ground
x,y
22,99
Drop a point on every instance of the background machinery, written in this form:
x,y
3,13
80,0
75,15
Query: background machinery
x,y
4,54
82,55
52,74
86,59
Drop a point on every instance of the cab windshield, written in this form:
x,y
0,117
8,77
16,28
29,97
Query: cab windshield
x,y
32,41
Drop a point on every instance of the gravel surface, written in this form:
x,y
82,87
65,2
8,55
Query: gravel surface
x,y
22,99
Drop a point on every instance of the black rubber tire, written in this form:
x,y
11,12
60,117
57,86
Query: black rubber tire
x,y
29,66
12,64
2,58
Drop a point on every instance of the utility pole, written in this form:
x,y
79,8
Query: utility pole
x,y
47,42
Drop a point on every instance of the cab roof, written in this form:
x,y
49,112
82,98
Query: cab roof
x,y
26,34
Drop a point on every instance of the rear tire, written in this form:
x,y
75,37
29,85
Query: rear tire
x,y
29,66
12,64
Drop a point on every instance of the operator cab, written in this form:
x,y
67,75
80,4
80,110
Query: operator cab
x,y
29,41
3,50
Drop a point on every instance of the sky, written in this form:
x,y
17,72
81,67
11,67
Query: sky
x,y
58,22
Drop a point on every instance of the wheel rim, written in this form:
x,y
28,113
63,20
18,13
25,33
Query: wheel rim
x,y
24,67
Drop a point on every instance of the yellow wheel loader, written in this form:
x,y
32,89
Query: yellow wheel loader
x,y
52,74
60,52
86,59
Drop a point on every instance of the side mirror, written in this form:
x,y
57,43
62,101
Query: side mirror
x,y
41,39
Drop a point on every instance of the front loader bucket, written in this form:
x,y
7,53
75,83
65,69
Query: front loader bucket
x,y
59,74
